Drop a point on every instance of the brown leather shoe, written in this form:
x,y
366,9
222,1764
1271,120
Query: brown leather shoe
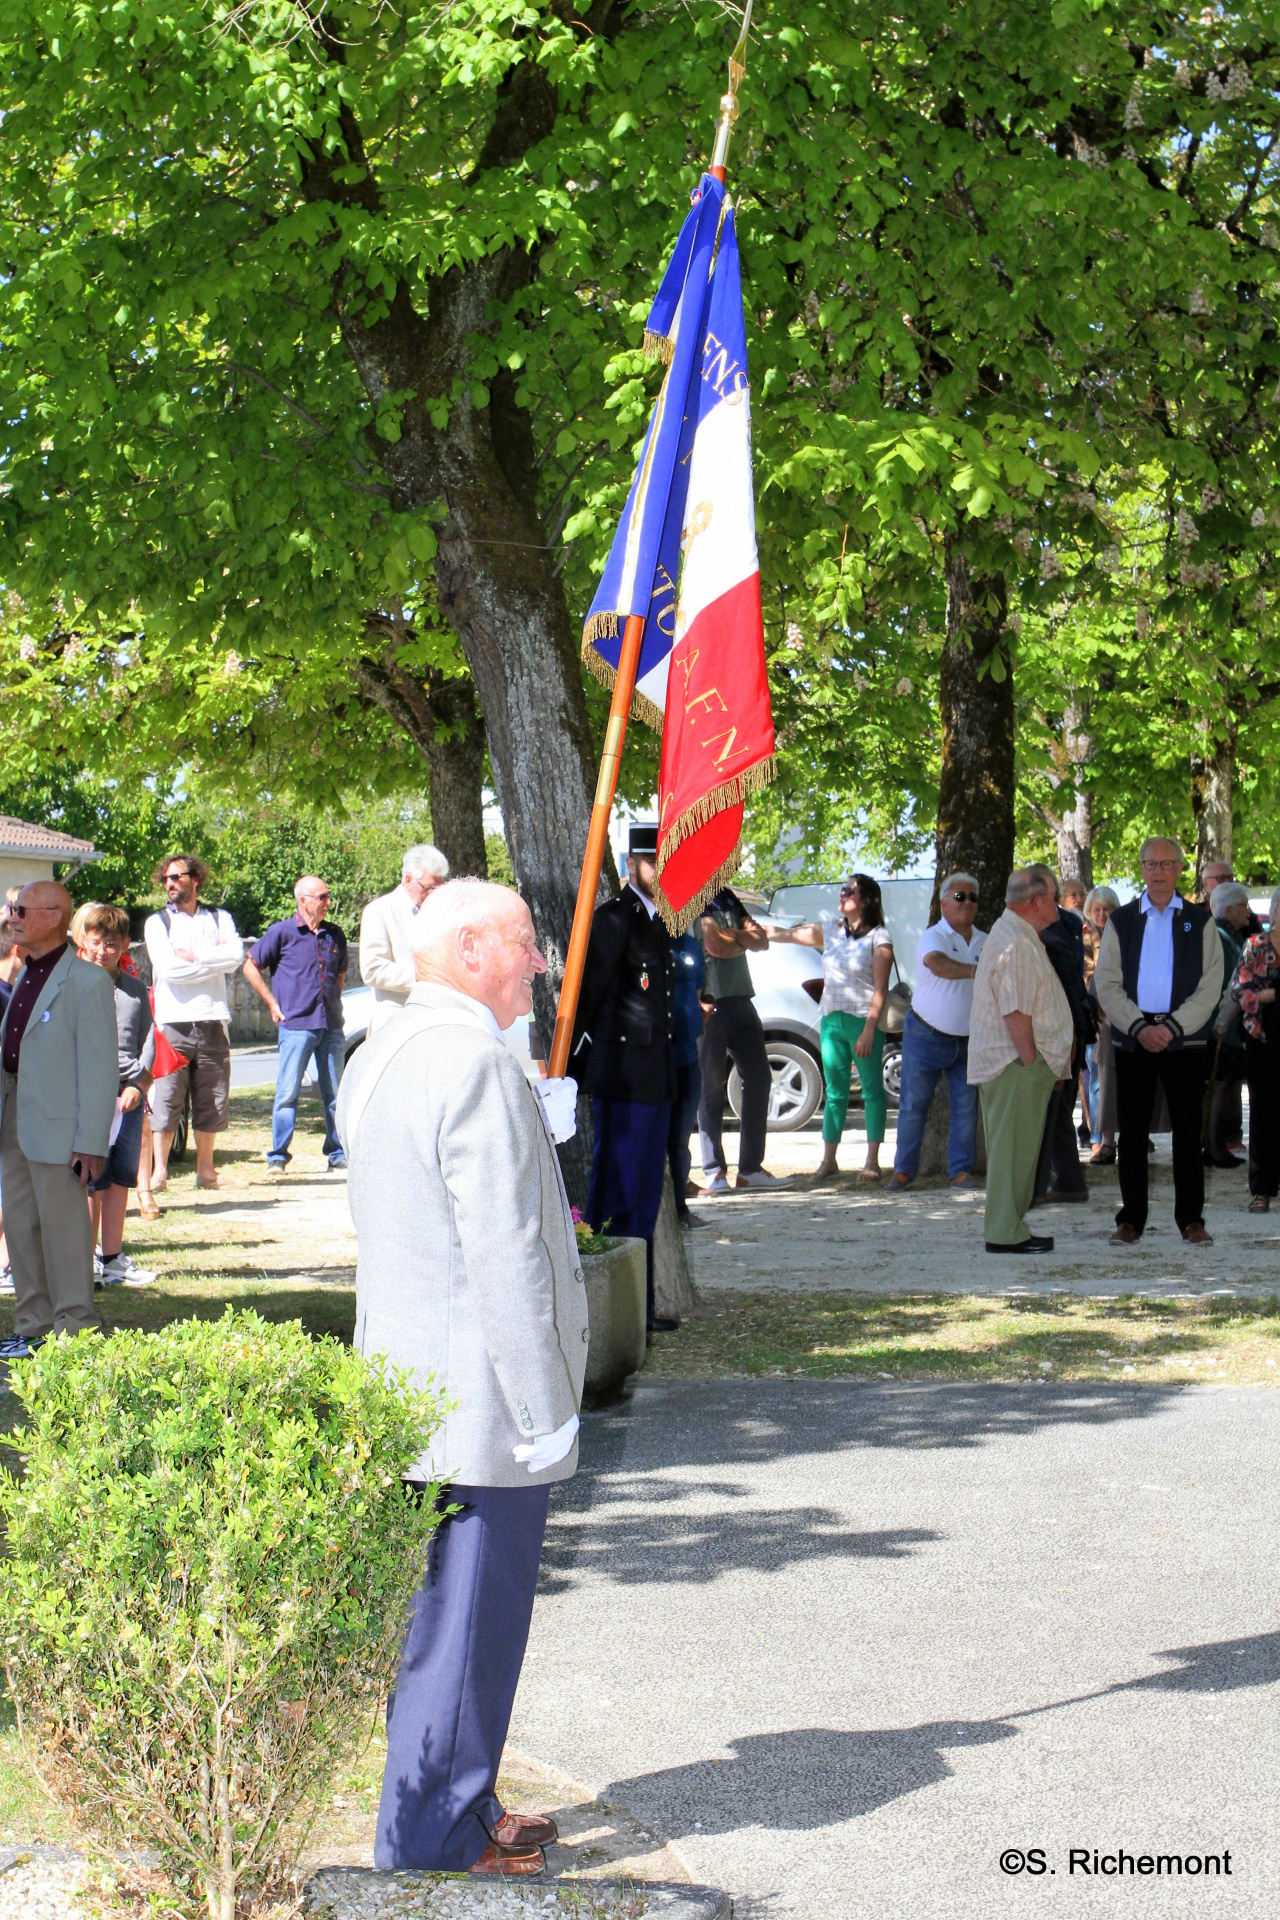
x,y
524,1830
1125,1235
507,1862
1195,1235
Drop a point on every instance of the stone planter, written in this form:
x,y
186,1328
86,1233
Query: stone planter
x,y
615,1305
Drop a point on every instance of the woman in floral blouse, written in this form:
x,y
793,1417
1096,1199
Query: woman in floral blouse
x,y
1253,988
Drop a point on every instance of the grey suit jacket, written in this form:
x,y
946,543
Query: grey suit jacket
x,y
68,1070
468,1267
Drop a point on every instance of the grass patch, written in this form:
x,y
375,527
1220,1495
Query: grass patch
x,y
851,1336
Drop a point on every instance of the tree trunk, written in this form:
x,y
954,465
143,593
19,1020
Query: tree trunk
x,y
976,790
471,451
442,719
1212,795
495,582
1075,825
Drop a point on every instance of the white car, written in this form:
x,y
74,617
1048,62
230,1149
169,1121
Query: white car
x,y
788,984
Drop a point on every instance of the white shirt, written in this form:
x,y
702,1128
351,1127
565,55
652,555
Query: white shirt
x,y
431,993
650,906
848,982
1155,962
192,989
945,1004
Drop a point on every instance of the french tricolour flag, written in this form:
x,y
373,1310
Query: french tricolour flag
x,y
684,557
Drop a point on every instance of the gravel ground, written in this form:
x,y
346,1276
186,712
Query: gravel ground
x,y
39,1881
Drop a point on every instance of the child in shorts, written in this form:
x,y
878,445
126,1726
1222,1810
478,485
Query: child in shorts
x,y
101,934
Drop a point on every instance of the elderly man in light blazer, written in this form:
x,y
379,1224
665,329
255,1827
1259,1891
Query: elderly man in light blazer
x,y
57,1101
468,1275
386,931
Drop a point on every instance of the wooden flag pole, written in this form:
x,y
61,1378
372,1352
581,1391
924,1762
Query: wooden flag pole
x,y
597,839
623,687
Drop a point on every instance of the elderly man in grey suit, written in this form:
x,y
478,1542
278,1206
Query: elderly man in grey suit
x,y
386,931
57,1102
469,1276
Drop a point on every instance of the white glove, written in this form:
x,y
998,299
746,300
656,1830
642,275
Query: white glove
x,y
552,1447
559,1106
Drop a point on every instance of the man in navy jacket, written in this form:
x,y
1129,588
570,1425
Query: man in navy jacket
x,y
1159,982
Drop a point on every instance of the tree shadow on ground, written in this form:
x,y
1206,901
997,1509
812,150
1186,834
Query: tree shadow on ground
x,y
814,1777
688,1547
682,1424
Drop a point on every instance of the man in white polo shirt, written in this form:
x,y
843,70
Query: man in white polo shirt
x,y
935,1039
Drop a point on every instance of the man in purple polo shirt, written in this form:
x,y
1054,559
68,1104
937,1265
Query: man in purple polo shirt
x,y
306,957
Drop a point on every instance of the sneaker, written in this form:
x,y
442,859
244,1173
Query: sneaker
x,y
19,1349
6,1280
97,1265
338,1163
120,1271
278,1166
769,1181
717,1184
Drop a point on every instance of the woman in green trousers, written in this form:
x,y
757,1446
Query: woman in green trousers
x,y
857,955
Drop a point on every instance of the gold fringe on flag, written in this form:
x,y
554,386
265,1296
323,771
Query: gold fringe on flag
x,y
658,347
604,626
730,793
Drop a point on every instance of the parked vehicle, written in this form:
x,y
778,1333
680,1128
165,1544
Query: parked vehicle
x,y
788,984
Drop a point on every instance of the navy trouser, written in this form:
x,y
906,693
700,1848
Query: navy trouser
x,y
684,1118
626,1172
447,1718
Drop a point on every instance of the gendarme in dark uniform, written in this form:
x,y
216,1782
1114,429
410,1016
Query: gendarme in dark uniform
x,y
623,1054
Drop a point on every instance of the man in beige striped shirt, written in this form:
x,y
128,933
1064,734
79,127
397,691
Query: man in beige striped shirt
x,y
1020,1039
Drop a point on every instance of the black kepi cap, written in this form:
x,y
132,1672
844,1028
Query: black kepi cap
x,y
643,838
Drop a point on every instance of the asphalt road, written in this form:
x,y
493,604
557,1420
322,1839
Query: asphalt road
x,y
845,1644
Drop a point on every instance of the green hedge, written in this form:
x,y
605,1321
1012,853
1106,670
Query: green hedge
x,y
211,1556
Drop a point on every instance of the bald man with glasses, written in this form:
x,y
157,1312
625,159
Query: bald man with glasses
x,y
1159,982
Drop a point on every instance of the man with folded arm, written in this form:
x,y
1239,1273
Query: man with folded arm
x,y
469,1276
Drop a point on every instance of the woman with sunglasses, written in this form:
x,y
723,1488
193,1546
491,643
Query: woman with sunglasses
x,y
857,955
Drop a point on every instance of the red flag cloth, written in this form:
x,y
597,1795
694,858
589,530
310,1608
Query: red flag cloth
x,y
717,745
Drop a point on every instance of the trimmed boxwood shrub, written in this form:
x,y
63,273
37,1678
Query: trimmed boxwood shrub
x,y
210,1561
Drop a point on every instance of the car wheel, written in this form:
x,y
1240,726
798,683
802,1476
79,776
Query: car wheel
x,y
796,1092
893,1074
351,1046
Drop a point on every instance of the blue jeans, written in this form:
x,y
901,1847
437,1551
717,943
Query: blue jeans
x,y
297,1047
926,1054
1094,1079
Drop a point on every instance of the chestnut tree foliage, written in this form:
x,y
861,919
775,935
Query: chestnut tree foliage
x,y
322,385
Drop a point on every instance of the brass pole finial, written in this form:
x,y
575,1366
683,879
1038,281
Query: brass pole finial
x,y
729,100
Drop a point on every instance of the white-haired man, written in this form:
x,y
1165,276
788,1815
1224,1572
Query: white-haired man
x,y
306,957
1020,1040
935,1039
386,926
1159,982
469,1276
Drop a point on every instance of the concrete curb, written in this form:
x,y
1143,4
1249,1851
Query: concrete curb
x,y
352,1891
